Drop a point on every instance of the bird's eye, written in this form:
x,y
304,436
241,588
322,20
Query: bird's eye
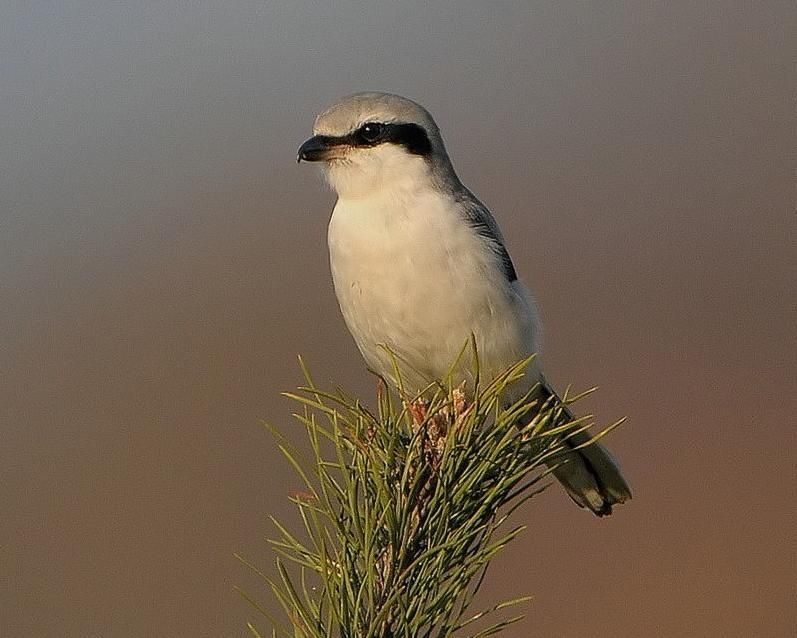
x,y
371,131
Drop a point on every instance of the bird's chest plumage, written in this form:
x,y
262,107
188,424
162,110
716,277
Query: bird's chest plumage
x,y
411,275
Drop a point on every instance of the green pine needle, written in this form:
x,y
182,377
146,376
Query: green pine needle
x,y
401,509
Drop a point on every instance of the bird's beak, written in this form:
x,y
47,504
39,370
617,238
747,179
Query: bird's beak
x,y
316,149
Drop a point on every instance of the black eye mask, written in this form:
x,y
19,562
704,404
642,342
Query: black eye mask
x,y
411,136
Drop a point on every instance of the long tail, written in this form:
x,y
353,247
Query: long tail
x,y
590,475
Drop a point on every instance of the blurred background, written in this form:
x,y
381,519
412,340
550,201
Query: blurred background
x,y
163,262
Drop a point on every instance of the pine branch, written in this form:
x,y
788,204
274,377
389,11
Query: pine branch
x,y
403,510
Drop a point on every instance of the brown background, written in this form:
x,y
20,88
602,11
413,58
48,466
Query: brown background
x,y
162,262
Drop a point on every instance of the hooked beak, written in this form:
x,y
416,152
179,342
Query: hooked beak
x,y
317,149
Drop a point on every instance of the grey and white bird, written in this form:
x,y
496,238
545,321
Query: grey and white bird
x,y
419,265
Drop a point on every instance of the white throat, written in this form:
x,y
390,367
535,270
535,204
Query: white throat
x,y
382,170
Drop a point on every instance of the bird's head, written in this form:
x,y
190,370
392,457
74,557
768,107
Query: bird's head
x,y
375,141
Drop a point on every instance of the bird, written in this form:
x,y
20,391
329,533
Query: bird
x,y
419,267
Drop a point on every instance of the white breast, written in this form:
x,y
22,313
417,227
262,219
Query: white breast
x,y
411,275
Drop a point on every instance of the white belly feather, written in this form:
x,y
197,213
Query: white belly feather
x,y
414,277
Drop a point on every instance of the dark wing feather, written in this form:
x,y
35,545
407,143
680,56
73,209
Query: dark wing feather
x,y
482,221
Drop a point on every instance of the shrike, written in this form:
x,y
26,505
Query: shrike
x,y
419,265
